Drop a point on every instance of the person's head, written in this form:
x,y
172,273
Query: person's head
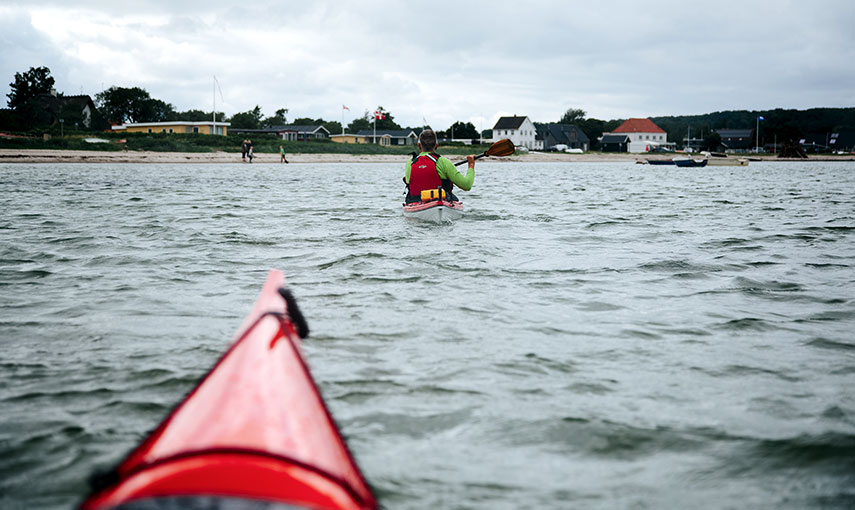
x,y
427,140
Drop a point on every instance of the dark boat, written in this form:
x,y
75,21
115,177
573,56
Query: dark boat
x,y
690,162
660,161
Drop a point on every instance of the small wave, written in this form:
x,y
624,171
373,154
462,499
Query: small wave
x,y
600,438
599,306
746,371
746,324
590,389
59,395
825,343
834,315
832,451
817,265
415,427
133,407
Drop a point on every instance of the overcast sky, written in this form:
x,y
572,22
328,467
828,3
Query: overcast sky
x,y
444,61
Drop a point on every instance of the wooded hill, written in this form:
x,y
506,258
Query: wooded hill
x,y
779,124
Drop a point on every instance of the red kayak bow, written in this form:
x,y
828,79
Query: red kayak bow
x,y
255,428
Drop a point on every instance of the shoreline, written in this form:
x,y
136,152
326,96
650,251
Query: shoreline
x,y
150,157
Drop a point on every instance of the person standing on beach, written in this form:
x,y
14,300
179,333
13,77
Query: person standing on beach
x,y
429,170
249,152
282,155
243,149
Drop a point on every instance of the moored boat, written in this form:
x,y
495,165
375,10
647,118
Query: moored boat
x,y
255,429
660,162
720,159
689,162
436,211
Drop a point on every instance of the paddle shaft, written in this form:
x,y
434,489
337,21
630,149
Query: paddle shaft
x,y
479,156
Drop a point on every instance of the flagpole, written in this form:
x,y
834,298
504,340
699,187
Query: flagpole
x,y
214,113
757,145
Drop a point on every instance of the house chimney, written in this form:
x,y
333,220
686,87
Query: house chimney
x,y
53,92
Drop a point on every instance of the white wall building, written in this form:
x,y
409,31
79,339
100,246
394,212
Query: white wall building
x,y
643,135
519,130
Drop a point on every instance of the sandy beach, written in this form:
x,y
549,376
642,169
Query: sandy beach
x,y
72,156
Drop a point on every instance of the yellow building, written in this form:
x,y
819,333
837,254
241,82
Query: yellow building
x,y
346,139
178,126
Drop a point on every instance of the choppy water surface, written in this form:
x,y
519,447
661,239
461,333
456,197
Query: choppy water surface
x,y
589,336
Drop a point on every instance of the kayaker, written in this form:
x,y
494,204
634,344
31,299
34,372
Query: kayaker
x,y
429,170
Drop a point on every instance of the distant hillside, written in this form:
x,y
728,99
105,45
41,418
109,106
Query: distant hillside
x,y
781,125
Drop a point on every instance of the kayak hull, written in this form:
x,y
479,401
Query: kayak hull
x,y
437,211
254,428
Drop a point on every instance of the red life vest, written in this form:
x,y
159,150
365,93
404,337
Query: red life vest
x,y
423,174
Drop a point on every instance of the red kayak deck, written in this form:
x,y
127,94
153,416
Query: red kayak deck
x,y
255,427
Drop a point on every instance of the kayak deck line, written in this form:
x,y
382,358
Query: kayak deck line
x,y
255,427
437,211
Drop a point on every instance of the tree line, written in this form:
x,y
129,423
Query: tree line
x,y
778,126
135,104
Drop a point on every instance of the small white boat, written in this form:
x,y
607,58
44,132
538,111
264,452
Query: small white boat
x,y
719,159
436,211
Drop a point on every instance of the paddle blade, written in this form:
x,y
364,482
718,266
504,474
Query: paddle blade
x,y
501,148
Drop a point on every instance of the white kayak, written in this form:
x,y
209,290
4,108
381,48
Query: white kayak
x,y
436,211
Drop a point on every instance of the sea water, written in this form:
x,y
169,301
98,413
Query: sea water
x,y
589,335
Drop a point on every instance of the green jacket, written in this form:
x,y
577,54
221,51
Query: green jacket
x,y
446,170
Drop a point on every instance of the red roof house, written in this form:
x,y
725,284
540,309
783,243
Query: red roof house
x,y
638,126
643,135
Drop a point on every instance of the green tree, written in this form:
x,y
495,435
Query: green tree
x,y
28,85
360,123
387,122
155,110
573,116
334,127
198,116
247,120
712,141
121,104
277,119
461,130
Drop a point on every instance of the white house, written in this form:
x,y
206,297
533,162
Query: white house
x,y
519,130
643,135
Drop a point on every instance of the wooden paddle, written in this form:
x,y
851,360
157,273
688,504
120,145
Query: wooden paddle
x,y
499,149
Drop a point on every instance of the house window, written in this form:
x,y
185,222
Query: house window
x,y
149,130
170,130
196,129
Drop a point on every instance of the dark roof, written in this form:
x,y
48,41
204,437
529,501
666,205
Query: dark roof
x,y
563,133
509,122
298,128
247,130
280,129
394,133
54,104
615,138
734,133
